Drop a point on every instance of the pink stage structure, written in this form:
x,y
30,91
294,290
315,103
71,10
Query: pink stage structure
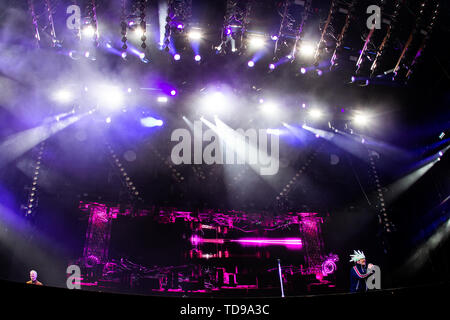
x,y
216,238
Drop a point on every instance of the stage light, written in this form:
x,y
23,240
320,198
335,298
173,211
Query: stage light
x,y
173,92
441,153
180,26
269,108
108,45
108,120
198,57
319,72
109,96
195,34
88,31
315,113
303,70
261,100
63,96
214,100
139,32
271,66
256,42
129,90
151,122
162,99
307,49
176,57
442,135
251,63
124,55
303,105
142,55
87,54
274,37
361,119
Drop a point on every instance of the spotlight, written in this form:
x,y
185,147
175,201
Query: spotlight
x,y
315,113
173,92
360,119
87,54
269,108
142,55
139,32
162,99
319,72
88,31
63,96
151,122
271,66
109,96
195,34
251,63
108,45
261,100
108,120
307,49
442,135
215,101
124,55
176,57
303,70
441,153
180,26
274,37
129,90
256,42
197,57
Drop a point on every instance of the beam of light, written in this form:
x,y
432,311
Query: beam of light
x,y
162,99
319,132
195,35
422,253
404,183
269,108
150,122
88,32
253,152
162,15
109,97
62,96
17,144
42,254
361,119
256,42
307,49
189,123
215,103
315,113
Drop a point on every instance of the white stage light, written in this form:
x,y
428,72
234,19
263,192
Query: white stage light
x,y
316,113
256,42
307,49
63,96
88,31
195,34
109,96
269,108
361,119
162,99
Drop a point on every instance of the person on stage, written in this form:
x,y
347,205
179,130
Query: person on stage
x,y
359,272
33,278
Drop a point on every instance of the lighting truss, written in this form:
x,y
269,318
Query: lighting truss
x,y
178,12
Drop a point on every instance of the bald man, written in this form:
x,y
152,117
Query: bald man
x,y
33,278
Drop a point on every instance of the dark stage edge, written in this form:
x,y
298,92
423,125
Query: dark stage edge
x,y
430,300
